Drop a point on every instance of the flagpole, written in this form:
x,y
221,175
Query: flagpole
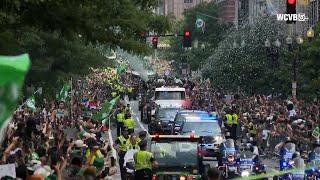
x,y
71,99
27,99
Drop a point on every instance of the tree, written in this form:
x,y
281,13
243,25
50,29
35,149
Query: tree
x,y
213,33
60,35
240,60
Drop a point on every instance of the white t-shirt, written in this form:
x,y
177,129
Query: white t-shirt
x,y
265,133
292,113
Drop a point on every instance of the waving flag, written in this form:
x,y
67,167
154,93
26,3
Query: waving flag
x,y
31,103
64,92
121,69
316,132
106,109
12,72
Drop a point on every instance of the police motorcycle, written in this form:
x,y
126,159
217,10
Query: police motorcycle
x,y
228,162
249,163
314,161
129,164
286,155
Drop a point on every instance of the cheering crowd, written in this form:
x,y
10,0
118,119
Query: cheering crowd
x,y
61,139
268,119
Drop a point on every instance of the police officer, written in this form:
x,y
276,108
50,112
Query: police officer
x,y
144,162
228,120
120,121
121,144
129,123
234,124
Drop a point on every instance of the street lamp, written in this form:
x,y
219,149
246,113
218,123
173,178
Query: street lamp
x,y
267,43
235,44
277,43
299,40
310,33
272,52
243,43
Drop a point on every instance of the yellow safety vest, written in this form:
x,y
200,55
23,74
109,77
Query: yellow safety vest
x,y
130,89
120,117
129,123
124,143
229,119
136,146
98,154
235,118
142,160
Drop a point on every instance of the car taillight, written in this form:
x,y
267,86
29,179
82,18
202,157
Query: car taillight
x,y
154,177
190,178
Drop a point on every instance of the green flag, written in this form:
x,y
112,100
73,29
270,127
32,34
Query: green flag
x,y
316,132
63,94
12,72
106,109
31,103
121,69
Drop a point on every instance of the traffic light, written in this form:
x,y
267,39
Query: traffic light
x,y
291,9
155,42
186,39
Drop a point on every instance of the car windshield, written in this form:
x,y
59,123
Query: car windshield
x,y
201,128
170,95
175,154
167,113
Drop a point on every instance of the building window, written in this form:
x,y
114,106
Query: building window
x,y
188,1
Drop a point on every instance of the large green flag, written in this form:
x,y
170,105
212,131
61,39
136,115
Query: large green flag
x,y
63,94
12,72
106,109
31,103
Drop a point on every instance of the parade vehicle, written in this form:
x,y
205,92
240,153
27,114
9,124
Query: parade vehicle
x,y
177,157
160,124
169,96
163,97
200,123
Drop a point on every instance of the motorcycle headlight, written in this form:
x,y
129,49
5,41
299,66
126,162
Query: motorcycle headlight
x,y
218,139
245,173
159,123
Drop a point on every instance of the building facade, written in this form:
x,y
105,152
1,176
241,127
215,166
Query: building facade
x,y
176,7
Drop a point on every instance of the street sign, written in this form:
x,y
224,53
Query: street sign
x,y
199,23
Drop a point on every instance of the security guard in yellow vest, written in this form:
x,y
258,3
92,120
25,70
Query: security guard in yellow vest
x,y
144,162
129,123
120,121
121,144
234,124
134,143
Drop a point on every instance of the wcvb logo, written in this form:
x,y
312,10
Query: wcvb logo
x,y
292,17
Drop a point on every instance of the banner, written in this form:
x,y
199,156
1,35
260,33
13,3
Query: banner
x,y
12,73
106,109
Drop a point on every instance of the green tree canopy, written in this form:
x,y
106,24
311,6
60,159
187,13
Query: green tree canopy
x,y
61,36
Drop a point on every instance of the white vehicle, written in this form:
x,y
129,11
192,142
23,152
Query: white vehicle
x,y
169,97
